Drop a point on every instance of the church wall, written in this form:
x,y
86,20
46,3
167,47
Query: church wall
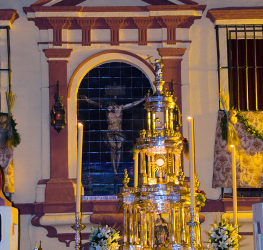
x,y
31,112
26,83
203,99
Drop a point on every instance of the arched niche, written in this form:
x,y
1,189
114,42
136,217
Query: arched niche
x,y
75,80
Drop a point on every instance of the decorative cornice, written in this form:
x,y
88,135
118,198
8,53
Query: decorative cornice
x,y
77,2
8,15
81,9
59,22
235,13
114,24
159,2
143,22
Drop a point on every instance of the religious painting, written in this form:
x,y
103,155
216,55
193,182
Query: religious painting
x,y
110,105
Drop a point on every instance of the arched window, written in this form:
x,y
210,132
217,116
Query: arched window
x,y
110,105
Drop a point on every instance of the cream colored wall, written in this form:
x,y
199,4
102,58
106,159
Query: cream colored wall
x,y
26,83
202,99
30,81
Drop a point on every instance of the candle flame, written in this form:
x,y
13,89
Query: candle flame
x,y
189,117
232,146
80,124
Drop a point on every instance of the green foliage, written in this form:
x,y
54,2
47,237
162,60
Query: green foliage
x,y
9,125
200,198
15,138
244,121
224,126
249,128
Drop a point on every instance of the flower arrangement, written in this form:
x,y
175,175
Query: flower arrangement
x,y
200,198
223,235
104,238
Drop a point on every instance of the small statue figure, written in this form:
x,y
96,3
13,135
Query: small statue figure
x,y
126,179
159,76
161,231
158,69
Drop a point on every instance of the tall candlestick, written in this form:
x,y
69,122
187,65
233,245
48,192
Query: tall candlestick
x,y
79,168
192,222
191,158
234,184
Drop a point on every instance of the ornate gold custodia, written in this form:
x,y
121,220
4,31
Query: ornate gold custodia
x,y
157,207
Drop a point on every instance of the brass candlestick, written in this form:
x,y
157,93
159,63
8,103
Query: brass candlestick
x,y
78,227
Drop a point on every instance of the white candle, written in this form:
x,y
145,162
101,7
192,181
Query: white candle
x,y
234,184
79,168
191,159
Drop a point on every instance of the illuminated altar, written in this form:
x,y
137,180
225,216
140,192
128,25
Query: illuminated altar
x,y
157,207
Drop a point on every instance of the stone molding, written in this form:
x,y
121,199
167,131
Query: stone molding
x,y
104,17
111,206
8,15
114,24
57,53
235,13
84,9
171,52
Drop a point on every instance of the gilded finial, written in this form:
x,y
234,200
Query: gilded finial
x,y
126,179
197,183
159,76
181,178
142,133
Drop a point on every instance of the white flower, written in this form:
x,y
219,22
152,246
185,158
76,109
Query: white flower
x,y
223,235
104,238
223,244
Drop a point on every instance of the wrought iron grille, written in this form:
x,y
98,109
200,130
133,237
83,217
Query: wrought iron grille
x,y
240,64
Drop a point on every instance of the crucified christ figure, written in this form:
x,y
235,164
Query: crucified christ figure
x,y
114,135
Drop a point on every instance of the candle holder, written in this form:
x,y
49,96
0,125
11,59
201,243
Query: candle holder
x,y
78,227
192,224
